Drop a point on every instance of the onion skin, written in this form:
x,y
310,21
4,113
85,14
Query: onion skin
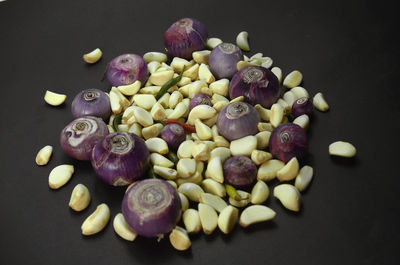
x,y
151,207
91,102
184,37
287,141
257,84
302,106
126,69
80,136
174,135
200,99
237,120
120,158
239,171
223,60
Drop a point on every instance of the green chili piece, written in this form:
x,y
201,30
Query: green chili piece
x,y
232,192
169,84
105,72
151,174
116,121
172,156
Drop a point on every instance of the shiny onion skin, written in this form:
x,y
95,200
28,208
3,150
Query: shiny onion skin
x,y
151,207
257,84
126,69
80,136
91,102
200,99
302,106
120,158
174,135
239,171
184,37
223,60
287,141
237,120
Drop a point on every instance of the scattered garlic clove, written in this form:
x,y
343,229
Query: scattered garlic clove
x,y
184,201
178,112
144,101
173,184
264,126
97,221
60,175
208,218
179,239
268,170
243,146
343,149
293,79
153,66
213,187
289,97
155,56
300,92
220,87
174,99
201,56
289,171
192,72
259,193
159,160
227,219
130,90
221,142
303,121
237,99
242,41
205,74
277,72
149,90
54,99
263,139
304,178
222,152
43,156
242,64
142,116
178,63
191,190
164,100
215,170
136,128
201,112
191,220
200,151
246,198
122,228
320,103
186,167
165,172
202,130
259,157
214,201
80,198
276,115
263,112
157,145
266,62
159,78
256,214
152,131
93,56
213,42
185,149
289,196
287,109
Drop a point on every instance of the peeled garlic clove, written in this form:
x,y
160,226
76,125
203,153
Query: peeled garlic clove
x,y
96,221
293,79
43,156
201,56
201,112
227,219
242,41
213,187
123,229
185,149
208,218
246,197
213,42
277,72
129,90
205,74
259,157
192,72
54,99
60,175
268,170
93,57
303,121
215,170
144,101
165,172
80,198
320,103
289,196
256,214
159,160
214,201
243,146
191,190
186,167
220,87
179,239
263,139
184,201
276,115
159,78
304,178
157,145
343,149
259,193
155,56
300,92
202,130
289,171
191,220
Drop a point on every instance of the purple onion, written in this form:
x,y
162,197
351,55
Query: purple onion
x,y
80,136
184,37
91,102
151,207
287,141
174,135
239,171
302,106
223,60
257,84
120,158
200,99
237,120
126,69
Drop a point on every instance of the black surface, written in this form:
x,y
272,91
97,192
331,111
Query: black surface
x,y
347,50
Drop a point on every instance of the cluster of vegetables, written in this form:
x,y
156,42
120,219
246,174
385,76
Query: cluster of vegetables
x,y
197,129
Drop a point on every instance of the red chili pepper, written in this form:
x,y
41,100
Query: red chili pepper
x,y
187,127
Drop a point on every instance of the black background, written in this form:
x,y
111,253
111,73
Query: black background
x,y
345,49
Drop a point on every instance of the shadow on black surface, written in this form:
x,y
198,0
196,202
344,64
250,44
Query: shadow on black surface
x,y
256,228
345,161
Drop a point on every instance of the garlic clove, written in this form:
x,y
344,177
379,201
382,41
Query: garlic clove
x,y
123,229
304,178
60,175
191,220
43,156
242,41
289,171
97,221
320,103
80,198
259,193
289,196
208,218
256,214
227,219
293,79
54,99
343,149
93,57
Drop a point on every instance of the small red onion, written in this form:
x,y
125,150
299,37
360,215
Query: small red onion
x,y
91,102
237,120
239,171
257,84
120,158
80,136
287,141
200,99
126,69
223,60
184,37
302,106
151,207
174,135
